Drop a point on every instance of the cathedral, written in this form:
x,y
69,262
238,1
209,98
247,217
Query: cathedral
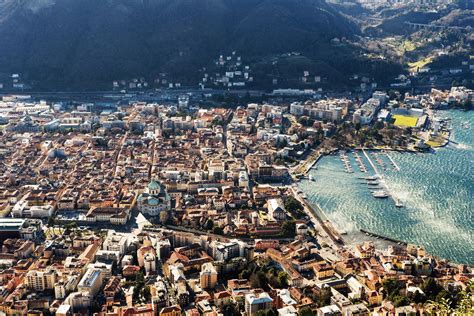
x,y
154,200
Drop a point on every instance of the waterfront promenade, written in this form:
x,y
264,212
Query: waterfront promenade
x,y
326,231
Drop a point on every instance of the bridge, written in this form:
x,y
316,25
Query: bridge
x,y
435,26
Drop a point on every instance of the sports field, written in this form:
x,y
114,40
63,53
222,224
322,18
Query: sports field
x,y
405,120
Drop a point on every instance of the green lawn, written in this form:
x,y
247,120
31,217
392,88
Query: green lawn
x,y
405,120
420,63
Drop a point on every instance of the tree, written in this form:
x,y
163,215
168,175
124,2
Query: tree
x,y
245,274
164,216
308,122
146,293
51,221
139,284
259,280
217,230
439,308
281,143
293,205
139,279
358,127
209,224
467,105
230,309
378,125
325,297
392,287
305,311
399,300
267,312
418,298
431,288
217,121
289,229
136,293
283,279
466,300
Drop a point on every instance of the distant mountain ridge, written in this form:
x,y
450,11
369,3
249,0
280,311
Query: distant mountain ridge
x,y
70,42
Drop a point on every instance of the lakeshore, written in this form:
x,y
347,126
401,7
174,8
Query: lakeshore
x,y
434,188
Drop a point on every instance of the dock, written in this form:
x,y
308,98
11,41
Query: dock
x,y
371,163
380,177
345,160
401,242
362,166
305,166
313,163
393,162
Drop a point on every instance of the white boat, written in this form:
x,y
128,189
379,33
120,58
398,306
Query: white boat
x,y
372,178
380,194
310,177
398,203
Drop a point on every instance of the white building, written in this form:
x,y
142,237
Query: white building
x,y
276,209
243,179
225,251
149,263
329,310
40,280
117,242
91,282
78,300
257,302
297,108
113,215
23,209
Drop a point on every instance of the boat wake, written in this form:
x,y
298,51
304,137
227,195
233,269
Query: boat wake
x,y
462,146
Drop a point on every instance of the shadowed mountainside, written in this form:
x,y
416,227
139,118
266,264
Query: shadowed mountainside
x,y
69,42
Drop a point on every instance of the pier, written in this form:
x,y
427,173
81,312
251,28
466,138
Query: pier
x,y
345,160
359,161
380,177
401,242
371,163
393,162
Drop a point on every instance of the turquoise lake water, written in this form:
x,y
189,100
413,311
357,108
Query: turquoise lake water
x,y
436,189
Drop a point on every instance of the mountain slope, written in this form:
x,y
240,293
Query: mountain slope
x,y
70,42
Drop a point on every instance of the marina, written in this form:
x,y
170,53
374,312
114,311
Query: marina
x,y
347,165
430,200
362,166
375,183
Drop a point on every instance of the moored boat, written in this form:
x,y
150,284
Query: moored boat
x,y
380,194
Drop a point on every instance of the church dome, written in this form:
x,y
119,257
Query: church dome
x,y
153,186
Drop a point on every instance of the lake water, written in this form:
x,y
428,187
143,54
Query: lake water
x,y
436,189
